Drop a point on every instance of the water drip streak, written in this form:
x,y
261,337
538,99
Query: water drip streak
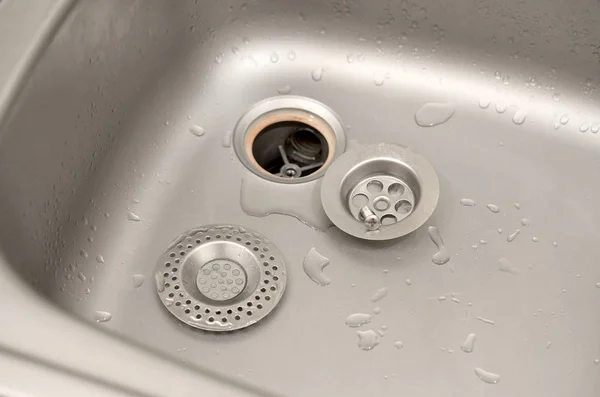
x,y
442,256
313,264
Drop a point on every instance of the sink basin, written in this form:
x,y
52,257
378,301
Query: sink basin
x,y
103,166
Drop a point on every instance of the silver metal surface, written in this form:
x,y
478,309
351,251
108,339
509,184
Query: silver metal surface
x,y
102,162
397,185
388,196
221,277
281,109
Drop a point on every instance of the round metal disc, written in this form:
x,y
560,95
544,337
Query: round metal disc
x,y
220,277
345,190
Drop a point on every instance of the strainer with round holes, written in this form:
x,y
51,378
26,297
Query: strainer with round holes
x,y
220,277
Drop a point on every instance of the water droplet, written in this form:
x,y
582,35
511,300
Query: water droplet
x,y
519,117
99,258
284,90
81,276
235,50
317,74
500,231
226,141
556,97
441,298
485,320
485,103
597,361
467,202
378,80
358,319
487,377
291,55
504,265
133,217
432,114
367,340
442,256
274,57
500,107
398,345
513,236
564,119
313,264
584,127
408,281
535,239
377,310
517,206
197,130
494,208
83,253
555,244
595,128
219,58
379,294
138,280
525,222
482,242
597,285
88,291
350,58
469,344
455,299
102,317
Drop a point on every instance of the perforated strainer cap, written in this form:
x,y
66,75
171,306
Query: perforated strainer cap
x,y
380,192
220,277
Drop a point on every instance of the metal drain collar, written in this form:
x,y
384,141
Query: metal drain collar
x,y
380,192
220,277
286,108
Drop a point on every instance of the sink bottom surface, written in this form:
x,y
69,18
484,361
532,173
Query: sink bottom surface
x,y
536,326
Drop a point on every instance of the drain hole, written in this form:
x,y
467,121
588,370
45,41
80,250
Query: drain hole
x,y
396,190
388,220
290,149
375,187
403,207
360,200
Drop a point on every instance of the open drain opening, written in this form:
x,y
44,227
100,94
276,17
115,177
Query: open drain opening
x,y
290,149
289,139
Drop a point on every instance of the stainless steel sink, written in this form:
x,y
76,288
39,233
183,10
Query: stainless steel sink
x,y
119,140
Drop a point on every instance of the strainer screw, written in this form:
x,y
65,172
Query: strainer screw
x,y
370,220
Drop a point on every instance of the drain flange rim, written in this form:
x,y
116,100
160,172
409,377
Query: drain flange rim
x,y
335,205
315,111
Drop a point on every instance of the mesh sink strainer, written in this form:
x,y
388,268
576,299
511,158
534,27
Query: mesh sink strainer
x,y
220,277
